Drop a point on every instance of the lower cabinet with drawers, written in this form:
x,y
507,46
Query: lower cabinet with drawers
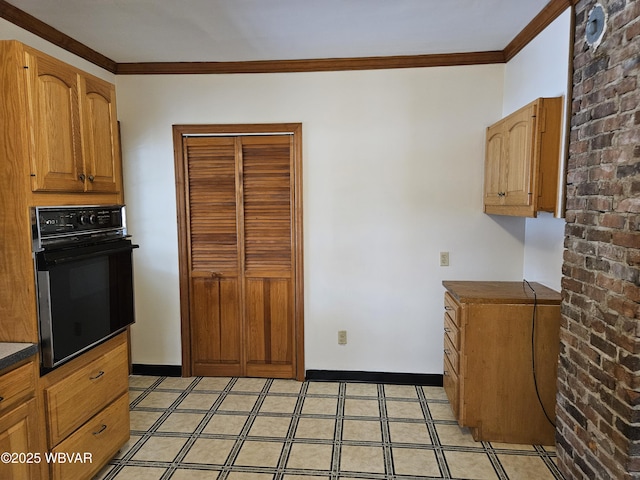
x,y
86,406
21,434
501,344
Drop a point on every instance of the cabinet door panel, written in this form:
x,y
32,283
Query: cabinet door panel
x,y
19,433
100,136
495,158
519,156
55,125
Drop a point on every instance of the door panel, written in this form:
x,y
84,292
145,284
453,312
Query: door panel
x,y
215,321
269,321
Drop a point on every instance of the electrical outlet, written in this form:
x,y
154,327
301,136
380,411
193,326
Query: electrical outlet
x,y
444,259
342,337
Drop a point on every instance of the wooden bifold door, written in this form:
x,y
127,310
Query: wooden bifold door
x,y
240,240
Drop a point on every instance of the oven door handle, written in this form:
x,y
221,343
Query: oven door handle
x,y
58,257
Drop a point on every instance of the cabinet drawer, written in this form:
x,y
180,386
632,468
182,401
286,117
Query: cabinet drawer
x,y
451,386
76,398
452,308
17,385
452,354
101,437
451,331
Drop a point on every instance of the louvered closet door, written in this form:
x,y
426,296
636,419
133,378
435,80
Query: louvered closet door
x,y
241,262
215,280
268,263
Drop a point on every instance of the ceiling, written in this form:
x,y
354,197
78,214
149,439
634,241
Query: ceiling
x,y
246,30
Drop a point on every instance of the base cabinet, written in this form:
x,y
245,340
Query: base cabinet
x,y
87,410
497,334
21,434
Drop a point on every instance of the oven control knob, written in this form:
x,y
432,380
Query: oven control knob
x,y
93,219
83,219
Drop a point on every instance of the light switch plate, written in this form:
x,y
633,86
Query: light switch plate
x,y
444,259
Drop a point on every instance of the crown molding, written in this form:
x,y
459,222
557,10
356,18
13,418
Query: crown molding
x,y
541,21
311,65
31,24
22,19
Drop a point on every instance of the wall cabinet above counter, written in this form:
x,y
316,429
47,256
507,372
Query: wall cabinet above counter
x,y
65,122
522,160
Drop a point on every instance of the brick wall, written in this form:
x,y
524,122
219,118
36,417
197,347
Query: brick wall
x,y
598,414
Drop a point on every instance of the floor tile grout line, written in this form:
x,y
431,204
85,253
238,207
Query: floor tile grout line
x,y
387,454
441,461
338,431
290,435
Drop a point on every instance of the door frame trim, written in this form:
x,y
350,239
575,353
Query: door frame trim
x,y
179,133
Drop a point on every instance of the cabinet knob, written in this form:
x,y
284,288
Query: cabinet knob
x,y
91,178
447,330
447,351
82,177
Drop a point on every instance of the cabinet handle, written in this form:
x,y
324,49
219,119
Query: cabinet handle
x,y
447,330
91,178
446,373
446,351
447,307
102,429
1,399
100,373
82,177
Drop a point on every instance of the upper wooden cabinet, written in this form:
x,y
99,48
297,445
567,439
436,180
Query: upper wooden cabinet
x,y
73,134
522,160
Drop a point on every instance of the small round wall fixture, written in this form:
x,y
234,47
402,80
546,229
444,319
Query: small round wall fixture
x,y
596,26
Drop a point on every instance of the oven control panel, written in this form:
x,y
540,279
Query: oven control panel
x,y
60,223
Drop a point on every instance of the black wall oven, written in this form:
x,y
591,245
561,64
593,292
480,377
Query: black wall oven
x,y
84,278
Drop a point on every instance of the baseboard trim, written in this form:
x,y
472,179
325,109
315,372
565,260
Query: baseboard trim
x,y
424,379
156,370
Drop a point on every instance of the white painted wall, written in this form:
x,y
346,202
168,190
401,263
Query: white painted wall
x,y
541,70
393,165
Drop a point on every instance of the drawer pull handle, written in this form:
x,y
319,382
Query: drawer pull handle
x,y
102,429
447,307
100,373
447,330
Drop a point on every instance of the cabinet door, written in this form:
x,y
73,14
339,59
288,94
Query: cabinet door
x,y
19,433
518,168
56,155
100,143
494,165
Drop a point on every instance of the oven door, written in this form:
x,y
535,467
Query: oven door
x,y
85,295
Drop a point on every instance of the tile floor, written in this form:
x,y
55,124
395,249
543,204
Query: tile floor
x,y
262,429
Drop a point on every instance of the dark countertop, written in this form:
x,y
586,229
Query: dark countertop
x,y
501,292
12,353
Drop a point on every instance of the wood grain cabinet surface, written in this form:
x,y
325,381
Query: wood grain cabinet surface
x,y
522,160
21,434
489,359
74,131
